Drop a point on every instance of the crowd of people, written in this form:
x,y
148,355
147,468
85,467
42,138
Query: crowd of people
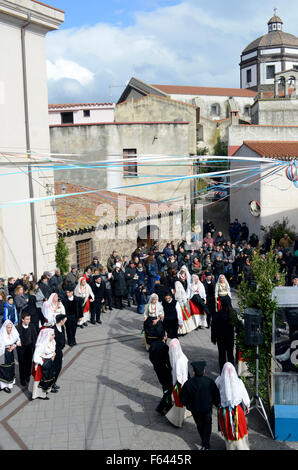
x,y
177,290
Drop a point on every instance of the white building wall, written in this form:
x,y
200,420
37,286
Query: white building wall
x,y
15,230
263,68
97,115
254,76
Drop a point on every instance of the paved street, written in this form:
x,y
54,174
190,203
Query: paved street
x,y
108,396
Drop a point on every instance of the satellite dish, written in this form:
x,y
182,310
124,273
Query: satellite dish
x,y
254,208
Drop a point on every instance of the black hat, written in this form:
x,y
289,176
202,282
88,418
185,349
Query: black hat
x,y
208,274
60,317
199,367
96,276
69,287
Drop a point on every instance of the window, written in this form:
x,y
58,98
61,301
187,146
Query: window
x,y
248,76
130,166
270,71
215,109
67,118
295,67
83,249
247,111
86,112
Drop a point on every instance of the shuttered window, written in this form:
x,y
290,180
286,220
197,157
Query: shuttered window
x,y
83,253
130,166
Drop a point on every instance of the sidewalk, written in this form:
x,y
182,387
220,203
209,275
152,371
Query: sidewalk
x,y
108,396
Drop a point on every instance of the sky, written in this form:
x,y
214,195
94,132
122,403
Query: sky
x,y
103,43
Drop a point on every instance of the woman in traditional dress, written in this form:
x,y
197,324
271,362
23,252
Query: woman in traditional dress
x,y
235,403
153,314
43,371
198,302
51,308
9,340
84,291
179,364
222,289
182,289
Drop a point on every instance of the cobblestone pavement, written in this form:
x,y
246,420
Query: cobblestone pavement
x,y
108,396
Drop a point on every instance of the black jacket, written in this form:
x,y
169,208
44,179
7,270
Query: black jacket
x,y
78,307
159,356
30,334
119,284
99,292
199,394
129,276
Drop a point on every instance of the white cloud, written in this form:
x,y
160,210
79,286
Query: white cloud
x,y
68,69
192,43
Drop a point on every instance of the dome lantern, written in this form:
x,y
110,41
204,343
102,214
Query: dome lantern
x,y
275,23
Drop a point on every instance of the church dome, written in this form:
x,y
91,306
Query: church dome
x,y
274,38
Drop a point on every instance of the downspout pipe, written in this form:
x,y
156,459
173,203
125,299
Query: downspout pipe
x,y
28,141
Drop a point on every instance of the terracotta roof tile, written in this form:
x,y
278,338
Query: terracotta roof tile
x,y
77,105
76,213
210,91
282,150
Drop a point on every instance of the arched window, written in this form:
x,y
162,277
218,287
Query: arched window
x,y
215,109
292,86
281,87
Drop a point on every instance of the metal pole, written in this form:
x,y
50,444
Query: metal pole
x,y
28,142
257,371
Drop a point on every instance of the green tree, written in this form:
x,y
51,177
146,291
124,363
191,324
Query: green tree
x,y
259,295
277,230
62,256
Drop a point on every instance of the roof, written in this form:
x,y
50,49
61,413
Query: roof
x,y
49,6
283,150
77,105
275,19
274,38
78,213
129,123
210,91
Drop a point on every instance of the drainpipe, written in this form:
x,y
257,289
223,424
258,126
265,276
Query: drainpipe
x,y
28,143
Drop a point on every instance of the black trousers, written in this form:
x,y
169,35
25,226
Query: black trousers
x,y
58,363
96,309
171,326
25,354
204,426
71,328
108,298
225,346
211,309
118,301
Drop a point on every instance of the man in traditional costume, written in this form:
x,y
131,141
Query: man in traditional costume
x,y
74,312
59,330
172,316
28,337
159,356
223,331
199,394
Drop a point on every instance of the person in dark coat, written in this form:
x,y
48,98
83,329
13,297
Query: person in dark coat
x,y
159,357
56,281
99,290
45,287
222,332
131,282
28,337
172,319
33,310
119,286
199,394
209,285
74,312
59,330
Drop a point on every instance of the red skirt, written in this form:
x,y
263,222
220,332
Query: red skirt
x,y
37,374
176,394
195,309
232,423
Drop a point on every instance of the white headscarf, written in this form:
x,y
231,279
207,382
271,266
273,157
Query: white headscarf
x,y
83,292
188,276
197,287
4,339
44,346
179,362
231,388
180,294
